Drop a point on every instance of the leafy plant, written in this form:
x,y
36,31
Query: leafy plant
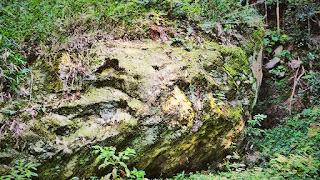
x,y
91,178
285,54
257,119
233,166
272,39
176,42
312,56
251,130
313,80
279,71
21,171
138,175
108,154
180,176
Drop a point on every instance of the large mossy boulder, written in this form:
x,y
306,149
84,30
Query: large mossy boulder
x,y
180,110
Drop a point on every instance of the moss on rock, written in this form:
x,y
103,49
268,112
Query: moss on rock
x,y
161,100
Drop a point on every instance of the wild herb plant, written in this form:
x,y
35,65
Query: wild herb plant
x,y
108,154
257,119
285,54
252,129
137,174
279,71
21,171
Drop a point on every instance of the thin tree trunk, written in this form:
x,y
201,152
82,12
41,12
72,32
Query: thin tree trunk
x,y
309,26
278,17
266,9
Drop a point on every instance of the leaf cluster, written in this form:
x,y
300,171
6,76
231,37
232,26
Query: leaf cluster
x,y
21,171
117,162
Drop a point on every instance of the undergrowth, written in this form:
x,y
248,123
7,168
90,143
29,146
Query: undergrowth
x,y
29,27
289,151
21,171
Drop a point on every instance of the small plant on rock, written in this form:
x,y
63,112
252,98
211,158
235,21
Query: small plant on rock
x,y
117,161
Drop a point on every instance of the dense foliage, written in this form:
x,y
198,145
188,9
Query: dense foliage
x,y
300,18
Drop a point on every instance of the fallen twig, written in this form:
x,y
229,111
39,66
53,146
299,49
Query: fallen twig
x,y
295,82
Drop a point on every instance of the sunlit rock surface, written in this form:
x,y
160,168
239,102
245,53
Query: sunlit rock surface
x,y
180,110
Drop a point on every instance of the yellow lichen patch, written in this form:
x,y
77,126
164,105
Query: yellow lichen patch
x,y
179,105
98,95
228,143
125,118
213,107
65,59
64,68
232,134
234,112
188,145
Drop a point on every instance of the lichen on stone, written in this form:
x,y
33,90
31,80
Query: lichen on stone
x,y
159,99
178,105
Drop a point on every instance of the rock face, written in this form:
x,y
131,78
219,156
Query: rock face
x,y
180,110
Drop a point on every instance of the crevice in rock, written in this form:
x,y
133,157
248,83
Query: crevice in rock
x,y
110,63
